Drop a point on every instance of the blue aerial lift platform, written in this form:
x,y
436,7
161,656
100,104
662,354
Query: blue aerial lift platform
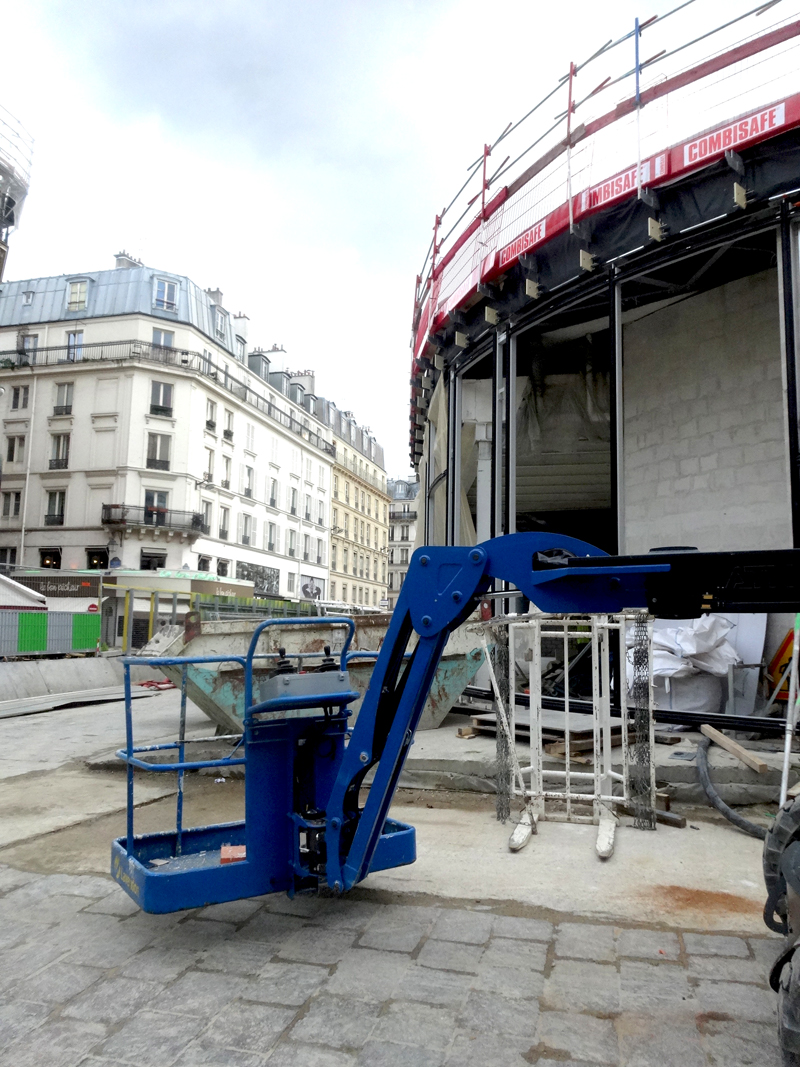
x,y
305,765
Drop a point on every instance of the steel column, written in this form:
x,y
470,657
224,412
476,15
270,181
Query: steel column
x,y
790,367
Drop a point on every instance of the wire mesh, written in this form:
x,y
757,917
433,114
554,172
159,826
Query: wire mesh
x,y
504,768
639,772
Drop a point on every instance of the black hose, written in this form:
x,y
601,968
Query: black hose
x,y
716,799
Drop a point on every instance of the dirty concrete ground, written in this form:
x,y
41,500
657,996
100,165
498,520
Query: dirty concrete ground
x,y
471,956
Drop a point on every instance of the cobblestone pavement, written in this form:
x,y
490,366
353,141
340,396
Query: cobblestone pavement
x,y
87,979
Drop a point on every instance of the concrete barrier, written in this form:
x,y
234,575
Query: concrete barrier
x,y
40,677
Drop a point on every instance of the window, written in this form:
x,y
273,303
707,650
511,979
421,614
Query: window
x,y
222,568
344,591
55,508
30,342
226,470
363,501
249,481
15,452
391,579
161,398
11,505
250,437
151,561
319,551
219,323
272,533
320,513
369,534
166,295
344,560
374,597
19,397
158,451
247,529
76,296
240,348
321,476
361,567
291,543
307,503
309,470
204,563
63,404
155,507
346,525
208,473
290,581
211,415
385,514
227,433
306,547
293,502
333,590
404,555
355,564
391,555
50,558
224,524
273,492
8,559
362,532
206,526
59,452
403,533
347,492
335,520
369,504
163,338
383,572
333,558
75,344
375,569
27,298
336,486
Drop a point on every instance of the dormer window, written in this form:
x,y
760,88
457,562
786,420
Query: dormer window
x,y
240,348
219,324
166,295
27,298
77,296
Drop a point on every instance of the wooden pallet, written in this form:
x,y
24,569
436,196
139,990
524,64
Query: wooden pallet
x,y
581,734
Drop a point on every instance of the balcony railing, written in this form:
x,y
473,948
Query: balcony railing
x,y
270,546
225,483
402,516
161,409
54,520
205,528
223,534
58,464
134,516
273,503
62,409
211,425
179,358
157,464
248,492
245,539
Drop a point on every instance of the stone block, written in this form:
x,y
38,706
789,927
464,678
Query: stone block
x,y
200,993
385,1054
252,1027
433,987
113,1000
19,1017
652,1039
586,941
655,985
715,945
648,944
410,1023
160,964
475,1049
511,982
580,1036
289,1054
337,1021
503,952
522,929
231,911
60,1043
238,956
450,956
726,968
202,1054
491,1013
315,944
151,1039
740,1044
58,983
469,927
745,1003
366,974
285,983
582,986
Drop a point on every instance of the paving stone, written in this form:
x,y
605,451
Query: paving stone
x,y
197,934
315,944
60,1043
116,903
58,983
347,914
238,957
503,952
471,1049
396,932
449,956
19,1017
648,944
249,1026
715,945
200,1054
491,1013
740,1044
650,985
288,1054
385,1054
200,993
651,1039
725,968
337,1021
582,986
270,928
433,987
581,1036
368,975
285,983
585,941
113,1000
232,911
745,1003
765,950
23,960
160,964
101,945
13,879
524,929
470,927
151,1039
13,933
509,981
305,905
405,1023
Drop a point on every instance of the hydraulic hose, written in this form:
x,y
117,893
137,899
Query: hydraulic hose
x,y
716,799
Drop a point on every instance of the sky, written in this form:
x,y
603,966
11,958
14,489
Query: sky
x,y
291,154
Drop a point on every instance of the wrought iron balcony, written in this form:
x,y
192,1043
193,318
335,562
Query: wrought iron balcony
x,y
211,425
157,464
54,520
205,528
225,483
62,409
228,435
160,409
131,515
245,539
248,492
223,534
59,464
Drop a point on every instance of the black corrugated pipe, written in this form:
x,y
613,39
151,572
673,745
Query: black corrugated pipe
x,y
716,799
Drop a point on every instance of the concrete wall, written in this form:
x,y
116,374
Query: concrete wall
x,y
705,457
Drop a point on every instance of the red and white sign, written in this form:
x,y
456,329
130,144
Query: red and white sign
x,y
614,188
92,608
532,237
754,127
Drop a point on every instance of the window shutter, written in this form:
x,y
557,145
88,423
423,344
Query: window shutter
x,y
254,531
277,538
241,477
239,527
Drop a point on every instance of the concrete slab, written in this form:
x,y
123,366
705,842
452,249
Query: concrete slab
x,y
66,797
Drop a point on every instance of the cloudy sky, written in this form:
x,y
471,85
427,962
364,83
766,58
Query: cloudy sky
x,y
292,154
